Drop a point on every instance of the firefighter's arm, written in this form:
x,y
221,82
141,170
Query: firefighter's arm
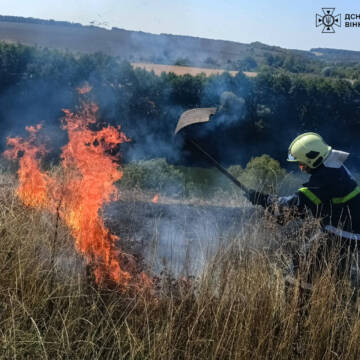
x,y
265,200
300,199
297,203
279,206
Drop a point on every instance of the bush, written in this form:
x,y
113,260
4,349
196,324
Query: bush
x,y
236,170
159,176
209,61
327,71
231,103
155,175
182,62
203,182
263,173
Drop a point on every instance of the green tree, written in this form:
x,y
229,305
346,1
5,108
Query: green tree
x,y
209,61
182,62
246,64
263,173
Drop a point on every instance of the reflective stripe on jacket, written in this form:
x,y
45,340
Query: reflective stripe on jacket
x,y
333,195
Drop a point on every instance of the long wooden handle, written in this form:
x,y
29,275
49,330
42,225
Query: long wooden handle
x,y
217,165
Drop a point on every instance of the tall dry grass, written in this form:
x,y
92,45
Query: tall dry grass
x,y
238,309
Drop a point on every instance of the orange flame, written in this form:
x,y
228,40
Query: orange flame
x,y
155,199
34,183
91,183
84,89
88,182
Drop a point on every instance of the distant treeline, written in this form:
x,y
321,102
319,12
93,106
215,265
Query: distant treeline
x,y
30,20
336,55
288,60
255,115
346,68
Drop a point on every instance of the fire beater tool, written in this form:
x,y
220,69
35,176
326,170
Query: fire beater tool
x,y
202,115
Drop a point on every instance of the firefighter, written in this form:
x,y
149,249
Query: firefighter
x,y
331,194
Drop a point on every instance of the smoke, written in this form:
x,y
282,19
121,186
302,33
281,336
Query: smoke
x,y
174,237
146,106
30,103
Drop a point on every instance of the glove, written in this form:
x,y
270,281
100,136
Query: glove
x,y
257,198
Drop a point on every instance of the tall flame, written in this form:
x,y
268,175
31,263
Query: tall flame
x,y
89,173
34,183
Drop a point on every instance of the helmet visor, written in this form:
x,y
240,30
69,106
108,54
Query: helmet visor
x,y
290,157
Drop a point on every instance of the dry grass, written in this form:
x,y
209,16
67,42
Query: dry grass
x,y
238,309
182,70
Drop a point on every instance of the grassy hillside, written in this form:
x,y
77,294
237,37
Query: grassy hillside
x,y
238,308
168,49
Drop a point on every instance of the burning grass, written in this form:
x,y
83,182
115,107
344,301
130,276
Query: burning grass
x,y
238,308
87,176
67,291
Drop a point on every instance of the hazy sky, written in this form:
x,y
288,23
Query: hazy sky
x,y
289,24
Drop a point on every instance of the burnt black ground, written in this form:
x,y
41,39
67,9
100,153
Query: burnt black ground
x,y
178,237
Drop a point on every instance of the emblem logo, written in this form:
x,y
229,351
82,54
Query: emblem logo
x,y
328,20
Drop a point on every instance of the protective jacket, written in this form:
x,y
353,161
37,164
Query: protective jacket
x,y
331,194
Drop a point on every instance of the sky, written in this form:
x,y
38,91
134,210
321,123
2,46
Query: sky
x,y
285,23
